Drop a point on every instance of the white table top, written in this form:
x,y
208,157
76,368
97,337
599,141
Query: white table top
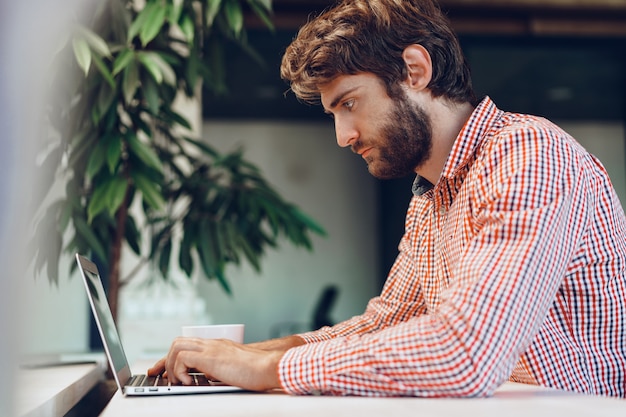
x,y
52,389
510,400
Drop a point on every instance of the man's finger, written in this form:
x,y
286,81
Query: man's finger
x,y
185,361
180,344
158,368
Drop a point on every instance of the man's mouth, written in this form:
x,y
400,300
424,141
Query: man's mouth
x,y
361,150
365,152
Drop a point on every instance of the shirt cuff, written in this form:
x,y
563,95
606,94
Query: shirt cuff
x,y
315,336
301,370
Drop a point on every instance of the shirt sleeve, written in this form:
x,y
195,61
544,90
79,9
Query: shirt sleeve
x,y
524,222
400,298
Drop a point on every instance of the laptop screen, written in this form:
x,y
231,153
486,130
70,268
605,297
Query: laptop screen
x,y
104,318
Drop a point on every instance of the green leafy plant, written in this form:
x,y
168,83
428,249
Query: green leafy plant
x,y
128,159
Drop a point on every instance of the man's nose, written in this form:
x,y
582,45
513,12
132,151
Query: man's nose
x,y
346,133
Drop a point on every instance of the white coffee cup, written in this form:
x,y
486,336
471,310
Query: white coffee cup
x,y
232,332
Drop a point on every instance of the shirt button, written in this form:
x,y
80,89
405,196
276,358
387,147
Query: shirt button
x,y
442,210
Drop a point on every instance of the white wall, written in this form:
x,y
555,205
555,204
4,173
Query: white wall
x,y
55,317
607,141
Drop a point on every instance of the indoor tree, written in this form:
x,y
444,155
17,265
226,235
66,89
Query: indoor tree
x,y
126,155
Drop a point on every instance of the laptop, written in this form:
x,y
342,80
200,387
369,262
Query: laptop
x,y
127,383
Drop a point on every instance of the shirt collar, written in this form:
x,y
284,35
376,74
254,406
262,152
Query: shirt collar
x,y
467,142
421,186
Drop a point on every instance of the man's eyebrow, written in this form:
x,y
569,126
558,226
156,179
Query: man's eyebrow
x,y
337,99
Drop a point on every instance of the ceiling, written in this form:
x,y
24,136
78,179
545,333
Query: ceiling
x,y
597,17
564,59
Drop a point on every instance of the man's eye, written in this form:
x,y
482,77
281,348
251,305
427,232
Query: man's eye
x,y
348,104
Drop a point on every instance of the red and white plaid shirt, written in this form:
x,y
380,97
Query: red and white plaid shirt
x,y
512,267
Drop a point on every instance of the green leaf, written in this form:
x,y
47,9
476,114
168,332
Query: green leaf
x,y
123,59
140,21
213,7
49,253
97,203
207,256
169,76
230,238
223,282
175,11
132,235
152,67
114,152
130,83
149,191
191,72
158,67
266,4
185,260
94,40
179,119
104,70
188,28
271,215
153,24
250,254
218,241
96,160
234,16
106,95
261,9
308,221
90,237
64,218
150,92
164,259
115,194
82,54
160,236
144,152
53,261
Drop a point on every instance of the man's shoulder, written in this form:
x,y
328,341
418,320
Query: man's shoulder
x,y
530,134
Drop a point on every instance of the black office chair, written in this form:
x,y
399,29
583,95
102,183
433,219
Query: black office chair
x,y
321,316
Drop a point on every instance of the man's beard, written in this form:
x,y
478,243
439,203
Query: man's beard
x,y
405,141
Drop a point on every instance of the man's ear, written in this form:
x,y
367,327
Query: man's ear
x,y
419,66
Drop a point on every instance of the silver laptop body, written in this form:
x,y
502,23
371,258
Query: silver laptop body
x,y
131,384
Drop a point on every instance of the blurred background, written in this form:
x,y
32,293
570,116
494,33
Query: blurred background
x,y
29,35
562,59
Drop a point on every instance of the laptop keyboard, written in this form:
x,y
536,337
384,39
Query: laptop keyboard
x,y
199,379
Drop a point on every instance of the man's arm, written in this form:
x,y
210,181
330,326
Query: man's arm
x,y
279,345
490,288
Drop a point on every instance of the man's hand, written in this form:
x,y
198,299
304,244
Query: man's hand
x,y
235,364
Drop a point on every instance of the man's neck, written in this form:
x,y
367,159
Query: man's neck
x,y
447,120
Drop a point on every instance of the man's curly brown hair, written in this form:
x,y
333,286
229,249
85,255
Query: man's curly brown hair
x,y
369,36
